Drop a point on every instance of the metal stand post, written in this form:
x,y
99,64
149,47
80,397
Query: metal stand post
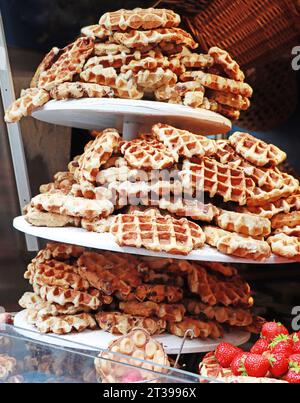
x,y
14,134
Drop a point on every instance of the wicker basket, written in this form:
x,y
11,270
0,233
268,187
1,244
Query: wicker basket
x,y
251,30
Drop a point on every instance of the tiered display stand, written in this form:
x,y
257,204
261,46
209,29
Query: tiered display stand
x,y
130,117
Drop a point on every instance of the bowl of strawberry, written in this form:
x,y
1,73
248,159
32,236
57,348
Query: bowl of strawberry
x,y
275,357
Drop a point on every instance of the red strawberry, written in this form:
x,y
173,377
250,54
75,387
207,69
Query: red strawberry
x,y
272,329
296,349
279,365
294,361
292,376
256,365
282,344
260,347
225,353
237,365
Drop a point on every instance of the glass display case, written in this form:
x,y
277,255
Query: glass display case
x,y
24,360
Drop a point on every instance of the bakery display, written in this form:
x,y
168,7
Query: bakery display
x,y
175,191
274,358
76,289
137,54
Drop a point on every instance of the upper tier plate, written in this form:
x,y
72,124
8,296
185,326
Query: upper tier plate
x,y
99,339
101,113
79,236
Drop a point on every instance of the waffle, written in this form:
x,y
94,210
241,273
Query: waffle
x,y
46,63
139,18
61,251
66,324
231,316
100,75
230,67
29,300
247,224
96,153
182,142
80,90
141,39
61,296
260,197
157,233
95,31
265,178
106,49
72,206
69,63
107,277
225,269
194,99
29,100
237,245
295,231
156,293
176,92
155,277
218,83
256,151
39,218
43,309
120,323
137,344
285,246
270,209
290,220
116,61
62,181
228,111
120,174
200,328
227,154
168,312
101,225
147,62
216,179
237,102
151,80
147,155
195,60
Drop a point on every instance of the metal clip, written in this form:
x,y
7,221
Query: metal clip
x,y
189,332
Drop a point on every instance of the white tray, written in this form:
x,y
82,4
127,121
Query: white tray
x,y
79,236
99,339
129,115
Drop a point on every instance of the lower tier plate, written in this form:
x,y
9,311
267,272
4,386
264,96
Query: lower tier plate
x,y
79,236
94,340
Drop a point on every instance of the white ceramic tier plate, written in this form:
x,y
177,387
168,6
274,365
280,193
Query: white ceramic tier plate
x,y
99,339
100,113
79,236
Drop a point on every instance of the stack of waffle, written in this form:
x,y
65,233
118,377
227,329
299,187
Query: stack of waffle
x,y
137,54
145,192
75,288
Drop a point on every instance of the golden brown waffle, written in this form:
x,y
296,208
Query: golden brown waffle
x,y
106,276
195,60
100,75
106,49
286,219
29,100
146,62
44,309
269,210
120,323
69,63
157,233
101,225
177,92
237,102
30,300
63,251
96,153
225,269
39,218
284,245
147,155
232,316
80,90
141,39
152,80
66,323
247,224
200,328
230,66
96,31
137,344
156,293
256,151
265,178
227,154
194,99
295,231
227,111
218,179
46,63
236,245
139,18
168,312
62,181
116,61
182,142
218,83
72,206
61,296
